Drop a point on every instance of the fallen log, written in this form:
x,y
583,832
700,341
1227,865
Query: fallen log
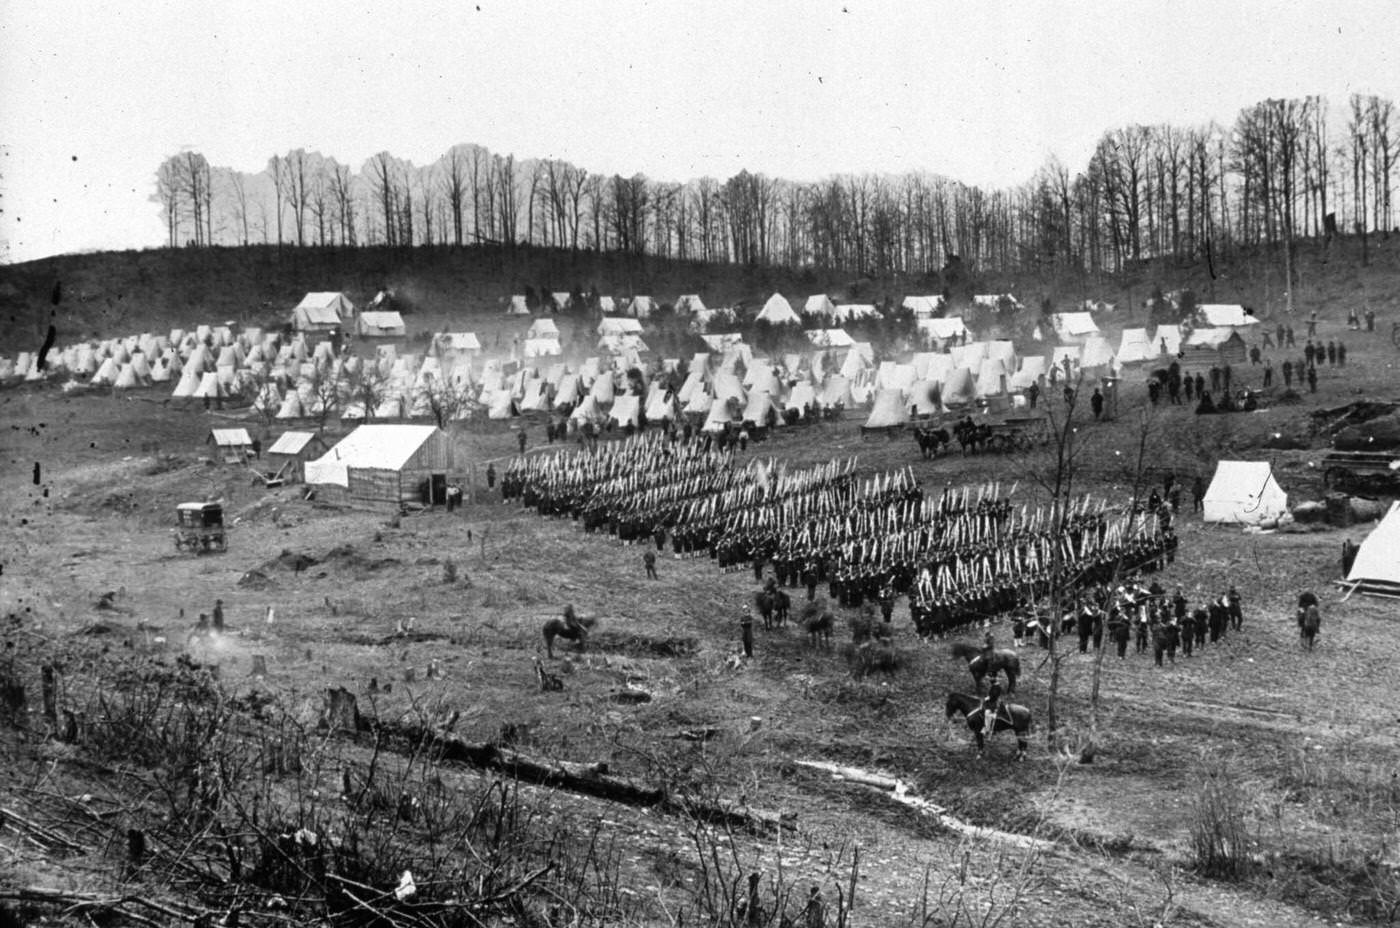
x,y
589,779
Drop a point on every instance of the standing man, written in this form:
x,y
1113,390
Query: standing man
x,y
219,616
1198,493
521,439
1232,599
490,476
649,559
1312,380
746,631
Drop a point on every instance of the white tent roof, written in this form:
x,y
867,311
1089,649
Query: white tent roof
x,y
322,308
1225,314
641,306
541,347
830,338
820,304
924,305
837,391
381,321
690,303
1032,368
970,355
1073,325
291,442
542,328
1244,492
231,438
1133,347
1096,352
888,411
626,410
801,394
991,378
959,387
660,405
778,311
1209,338
718,416
1167,339
893,376
617,325
1377,564
383,447
459,341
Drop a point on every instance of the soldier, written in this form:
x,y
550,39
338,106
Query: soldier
x,y
1287,374
1232,598
490,476
990,707
746,631
1188,632
1312,380
219,616
649,559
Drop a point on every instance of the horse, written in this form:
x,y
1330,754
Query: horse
x,y
1309,623
817,620
1009,717
557,628
931,441
766,602
972,436
1002,661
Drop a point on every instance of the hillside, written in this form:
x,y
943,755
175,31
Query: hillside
x,y
113,293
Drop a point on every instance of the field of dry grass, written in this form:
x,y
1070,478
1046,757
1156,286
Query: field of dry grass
x,y
443,614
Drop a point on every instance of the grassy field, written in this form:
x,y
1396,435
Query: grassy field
x,y
434,620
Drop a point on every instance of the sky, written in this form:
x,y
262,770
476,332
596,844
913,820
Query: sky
x,y
94,96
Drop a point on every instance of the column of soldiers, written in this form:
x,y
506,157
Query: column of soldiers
x,y
1142,615
961,560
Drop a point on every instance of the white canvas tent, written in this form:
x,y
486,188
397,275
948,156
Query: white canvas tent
x,y
943,329
1222,315
830,338
690,303
819,305
1166,339
1133,347
777,311
543,328
518,306
1244,492
1376,569
924,306
888,410
381,324
1072,328
321,312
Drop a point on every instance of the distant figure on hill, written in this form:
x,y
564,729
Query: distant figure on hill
x,y
490,476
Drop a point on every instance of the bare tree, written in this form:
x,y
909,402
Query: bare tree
x,y
445,400
233,186
281,184
168,188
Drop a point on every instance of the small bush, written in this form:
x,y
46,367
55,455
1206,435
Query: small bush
x,y
1219,838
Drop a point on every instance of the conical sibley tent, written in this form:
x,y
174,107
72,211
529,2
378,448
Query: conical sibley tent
x,y
888,411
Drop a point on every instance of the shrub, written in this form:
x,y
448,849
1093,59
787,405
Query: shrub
x,y
1218,836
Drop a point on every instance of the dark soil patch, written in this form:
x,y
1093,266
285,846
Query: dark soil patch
x,y
643,645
